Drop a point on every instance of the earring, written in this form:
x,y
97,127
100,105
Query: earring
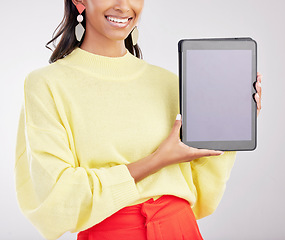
x,y
135,35
79,29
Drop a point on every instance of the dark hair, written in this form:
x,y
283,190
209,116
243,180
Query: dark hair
x,y
68,41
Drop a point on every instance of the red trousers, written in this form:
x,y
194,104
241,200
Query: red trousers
x,y
167,218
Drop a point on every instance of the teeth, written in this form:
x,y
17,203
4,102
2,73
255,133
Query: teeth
x,y
118,20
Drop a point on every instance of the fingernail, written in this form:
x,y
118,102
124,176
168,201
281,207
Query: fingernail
x,y
259,84
222,153
178,117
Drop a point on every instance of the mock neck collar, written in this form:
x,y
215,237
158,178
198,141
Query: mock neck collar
x,y
124,67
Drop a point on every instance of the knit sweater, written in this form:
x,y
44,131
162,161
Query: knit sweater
x,y
83,119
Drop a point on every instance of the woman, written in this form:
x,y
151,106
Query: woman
x,y
97,152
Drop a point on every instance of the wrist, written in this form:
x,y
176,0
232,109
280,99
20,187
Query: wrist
x,y
157,160
145,166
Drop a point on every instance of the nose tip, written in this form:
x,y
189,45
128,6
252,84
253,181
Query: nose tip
x,y
122,6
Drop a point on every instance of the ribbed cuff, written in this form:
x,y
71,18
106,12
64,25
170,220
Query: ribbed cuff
x,y
122,185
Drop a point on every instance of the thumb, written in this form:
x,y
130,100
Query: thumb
x,y
177,125
178,117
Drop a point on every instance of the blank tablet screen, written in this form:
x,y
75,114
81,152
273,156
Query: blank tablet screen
x,y
219,95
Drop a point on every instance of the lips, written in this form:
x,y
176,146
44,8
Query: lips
x,y
118,21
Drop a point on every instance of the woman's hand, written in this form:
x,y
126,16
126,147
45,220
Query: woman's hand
x,y
172,150
257,96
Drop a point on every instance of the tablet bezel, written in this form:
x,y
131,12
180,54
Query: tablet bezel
x,y
218,44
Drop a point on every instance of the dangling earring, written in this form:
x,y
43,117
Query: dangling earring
x,y
135,35
79,29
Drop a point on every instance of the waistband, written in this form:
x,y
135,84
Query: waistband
x,y
141,214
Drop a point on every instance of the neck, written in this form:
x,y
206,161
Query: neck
x,y
105,47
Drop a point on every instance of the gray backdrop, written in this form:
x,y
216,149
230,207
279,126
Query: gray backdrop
x,y
253,204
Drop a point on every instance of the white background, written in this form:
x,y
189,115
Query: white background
x,y
253,204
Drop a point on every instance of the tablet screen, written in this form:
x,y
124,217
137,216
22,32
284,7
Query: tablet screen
x,y
219,94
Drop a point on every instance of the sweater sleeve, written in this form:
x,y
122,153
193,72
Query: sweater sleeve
x,y
210,175
53,191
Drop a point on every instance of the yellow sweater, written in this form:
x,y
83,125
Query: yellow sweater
x,y
83,119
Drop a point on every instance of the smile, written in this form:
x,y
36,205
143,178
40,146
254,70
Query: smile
x,y
119,22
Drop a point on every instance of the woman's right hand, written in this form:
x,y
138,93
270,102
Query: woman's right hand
x,y
172,150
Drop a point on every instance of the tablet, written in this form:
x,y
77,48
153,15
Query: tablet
x,y
216,92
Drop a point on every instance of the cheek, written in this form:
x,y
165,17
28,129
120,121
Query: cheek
x,y
95,8
95,4
137,6
94,13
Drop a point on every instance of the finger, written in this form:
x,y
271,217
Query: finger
x,y
207,153
177,124
259,77
258,101
258,88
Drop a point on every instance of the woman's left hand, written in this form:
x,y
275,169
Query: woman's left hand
x,y
257,96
